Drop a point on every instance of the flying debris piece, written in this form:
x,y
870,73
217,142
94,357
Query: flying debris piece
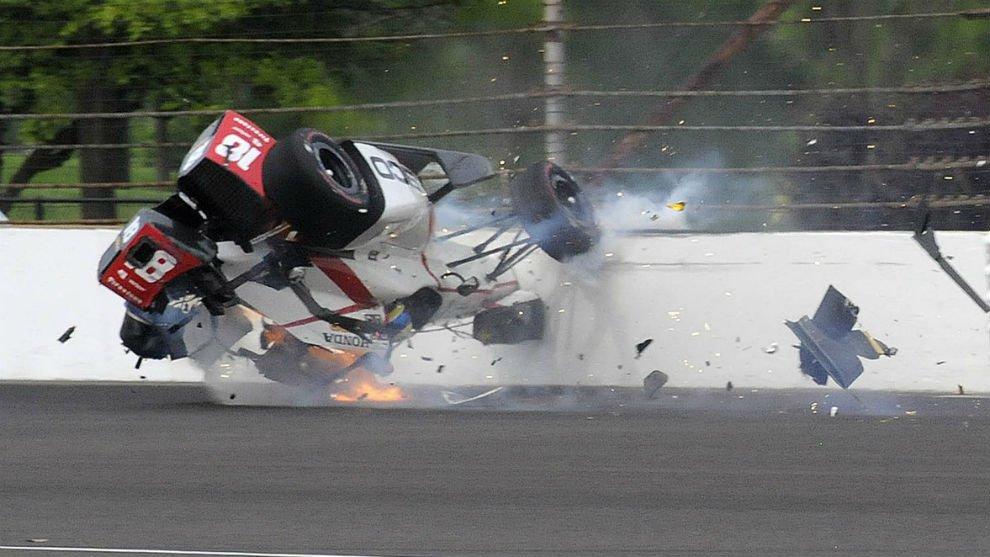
x,y
829,347
497,360
440,368
653,382
677,206
833,411
925,236
137,365
643,346
772,349
456,399
67,334
728,386
961,390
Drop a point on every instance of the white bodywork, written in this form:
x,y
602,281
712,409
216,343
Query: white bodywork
x,y
393,259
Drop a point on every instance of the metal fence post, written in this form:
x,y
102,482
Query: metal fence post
x,y
553,79
161,153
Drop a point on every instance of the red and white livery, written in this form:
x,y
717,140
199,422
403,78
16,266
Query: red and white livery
x,y
329,252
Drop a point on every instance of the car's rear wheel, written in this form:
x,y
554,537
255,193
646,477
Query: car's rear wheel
x,y
320,190
554,211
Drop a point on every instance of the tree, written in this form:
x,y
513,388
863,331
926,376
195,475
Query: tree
x,y
177,75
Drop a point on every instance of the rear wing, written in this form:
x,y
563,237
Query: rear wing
x,y
459,169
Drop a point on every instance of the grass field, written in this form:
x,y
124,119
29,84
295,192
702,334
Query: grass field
x,y
68,173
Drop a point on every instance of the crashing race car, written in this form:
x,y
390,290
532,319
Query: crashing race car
x,y
326,254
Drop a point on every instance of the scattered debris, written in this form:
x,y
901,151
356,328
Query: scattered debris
x,y
829,347
497,360
772,349
426,358
653,382
655,217
833,411
677,206
961,391
940,362
643,346
728,386
455,399
137,365
440,369
67,334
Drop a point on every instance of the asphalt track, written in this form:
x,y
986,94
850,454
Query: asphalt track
x,y
160,468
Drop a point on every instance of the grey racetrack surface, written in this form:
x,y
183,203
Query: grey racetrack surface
x,y
133,468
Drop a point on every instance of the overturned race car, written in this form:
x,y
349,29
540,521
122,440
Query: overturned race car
x,y
324,254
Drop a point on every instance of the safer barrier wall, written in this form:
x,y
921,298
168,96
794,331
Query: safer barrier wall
x,y
714,305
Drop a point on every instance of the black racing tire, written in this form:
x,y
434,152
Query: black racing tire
x,y
554,211
320,189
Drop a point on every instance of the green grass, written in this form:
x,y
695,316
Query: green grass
x,y
68,173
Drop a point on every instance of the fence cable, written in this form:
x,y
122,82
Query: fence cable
x,y
968,14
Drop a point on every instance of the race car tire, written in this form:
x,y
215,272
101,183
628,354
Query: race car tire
x,y
554,211
320,189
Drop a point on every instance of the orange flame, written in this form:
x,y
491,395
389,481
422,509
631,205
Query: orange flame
x,y
361,385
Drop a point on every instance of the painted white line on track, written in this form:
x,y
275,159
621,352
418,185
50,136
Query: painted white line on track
x,y
168,551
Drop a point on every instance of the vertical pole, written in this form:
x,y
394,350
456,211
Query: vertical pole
x,y
161,153
553,79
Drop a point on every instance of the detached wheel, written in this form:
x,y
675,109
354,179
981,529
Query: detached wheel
x,y
319,188
554,211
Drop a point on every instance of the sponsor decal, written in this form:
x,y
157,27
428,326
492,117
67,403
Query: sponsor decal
x,y
341,339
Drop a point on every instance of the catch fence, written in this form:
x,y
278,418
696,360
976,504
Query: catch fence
x,y
935,156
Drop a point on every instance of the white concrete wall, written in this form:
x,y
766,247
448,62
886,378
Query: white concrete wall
x,y
694,295
48,283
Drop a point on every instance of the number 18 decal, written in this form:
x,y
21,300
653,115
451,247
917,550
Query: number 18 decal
x,y
156,269
236,149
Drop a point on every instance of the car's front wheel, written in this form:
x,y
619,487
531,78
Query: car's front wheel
x,y
554,211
